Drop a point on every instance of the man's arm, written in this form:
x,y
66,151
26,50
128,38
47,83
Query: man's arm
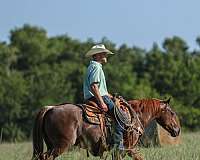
x,y
95,91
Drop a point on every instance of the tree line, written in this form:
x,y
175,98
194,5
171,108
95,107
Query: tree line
x,y
37,70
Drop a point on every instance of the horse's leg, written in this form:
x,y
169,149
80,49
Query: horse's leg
x,y
46,155
49,145
57,151
51,154
61,146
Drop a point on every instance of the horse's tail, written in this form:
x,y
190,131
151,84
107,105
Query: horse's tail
x,y
38,133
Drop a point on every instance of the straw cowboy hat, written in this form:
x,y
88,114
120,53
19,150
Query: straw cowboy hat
x,y
99,48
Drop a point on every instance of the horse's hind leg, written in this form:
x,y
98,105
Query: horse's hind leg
x,y
52,154
63,145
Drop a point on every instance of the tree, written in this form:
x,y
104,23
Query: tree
x,y
32,46
36,70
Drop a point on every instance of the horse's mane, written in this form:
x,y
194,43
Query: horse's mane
x,y
145,105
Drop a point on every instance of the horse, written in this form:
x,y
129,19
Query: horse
x,y
147,111
62,126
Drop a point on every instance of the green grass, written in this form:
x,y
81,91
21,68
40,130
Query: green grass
x,y
189,149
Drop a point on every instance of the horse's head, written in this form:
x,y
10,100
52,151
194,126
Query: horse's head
x,y
168,118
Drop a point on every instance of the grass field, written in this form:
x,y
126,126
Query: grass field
x,y
189,149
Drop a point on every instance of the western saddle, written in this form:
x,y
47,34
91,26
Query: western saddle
x,y
93,114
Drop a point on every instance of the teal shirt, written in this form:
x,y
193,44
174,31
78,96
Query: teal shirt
x,y
94,74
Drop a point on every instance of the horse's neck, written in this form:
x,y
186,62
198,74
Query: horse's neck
x,y
147,111
151,114
146,118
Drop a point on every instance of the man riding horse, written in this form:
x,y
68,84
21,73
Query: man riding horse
x,y
62,126
95,89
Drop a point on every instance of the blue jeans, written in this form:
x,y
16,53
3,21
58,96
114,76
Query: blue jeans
x,y
118,131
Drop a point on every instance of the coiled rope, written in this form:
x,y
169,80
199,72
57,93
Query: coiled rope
x,y
126,123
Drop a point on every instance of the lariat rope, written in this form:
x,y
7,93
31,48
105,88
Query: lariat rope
x,y
122,118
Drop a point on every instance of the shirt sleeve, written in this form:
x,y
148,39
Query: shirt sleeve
x,y
94,75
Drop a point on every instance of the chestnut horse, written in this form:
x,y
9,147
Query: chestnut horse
x,y
147,111
62,126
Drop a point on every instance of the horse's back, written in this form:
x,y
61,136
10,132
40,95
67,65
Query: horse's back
x,y
64,111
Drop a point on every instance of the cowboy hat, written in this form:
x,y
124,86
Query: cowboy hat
x,y
99,48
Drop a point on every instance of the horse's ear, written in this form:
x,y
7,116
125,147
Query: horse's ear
x,y
168,100
164,102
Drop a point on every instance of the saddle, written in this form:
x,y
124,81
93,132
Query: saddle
x,y
93,114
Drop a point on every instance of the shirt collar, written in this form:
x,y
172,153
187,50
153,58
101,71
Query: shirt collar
x,y
95,63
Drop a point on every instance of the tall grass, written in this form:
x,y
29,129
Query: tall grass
x,y
189,149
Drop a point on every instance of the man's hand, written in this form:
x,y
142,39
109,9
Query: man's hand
x,y
103,106
110,96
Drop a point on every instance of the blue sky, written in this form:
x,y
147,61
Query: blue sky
x,y
134,22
